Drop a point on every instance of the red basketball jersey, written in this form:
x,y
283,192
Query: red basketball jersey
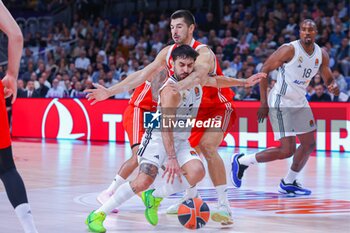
x,y
142,97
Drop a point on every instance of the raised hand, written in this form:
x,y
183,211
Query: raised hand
x,y
98,94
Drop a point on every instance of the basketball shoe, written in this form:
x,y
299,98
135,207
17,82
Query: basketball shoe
x,y
95,222
237,170
293,188
222,214
174,208
151,203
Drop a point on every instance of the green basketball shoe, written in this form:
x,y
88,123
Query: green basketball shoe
x,y
95,222
151,203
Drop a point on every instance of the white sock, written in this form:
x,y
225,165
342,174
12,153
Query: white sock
x,y
118,180
291,176
123,194
248,160
168,189
221,190
25,216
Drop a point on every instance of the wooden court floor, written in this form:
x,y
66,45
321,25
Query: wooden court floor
x,y
63,179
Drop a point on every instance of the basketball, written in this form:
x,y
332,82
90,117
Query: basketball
x,y
193,213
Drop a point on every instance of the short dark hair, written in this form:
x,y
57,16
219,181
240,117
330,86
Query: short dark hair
x,y
310,21
187,15
184,51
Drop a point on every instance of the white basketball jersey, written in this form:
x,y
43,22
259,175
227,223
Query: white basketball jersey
x,y
186,110
294,76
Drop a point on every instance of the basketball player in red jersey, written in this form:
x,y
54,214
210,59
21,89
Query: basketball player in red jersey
x,y
216,103
13,182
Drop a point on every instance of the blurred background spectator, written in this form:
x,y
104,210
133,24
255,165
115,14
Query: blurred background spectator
x,y
320,95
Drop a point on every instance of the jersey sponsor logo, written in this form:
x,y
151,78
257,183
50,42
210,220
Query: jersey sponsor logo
x,y
68,126
300,82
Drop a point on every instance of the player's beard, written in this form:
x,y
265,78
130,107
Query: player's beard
x,y
308,41
181,39
181,76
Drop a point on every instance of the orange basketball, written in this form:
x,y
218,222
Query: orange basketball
x,y
193,213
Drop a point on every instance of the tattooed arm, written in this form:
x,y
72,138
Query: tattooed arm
x,y
157,82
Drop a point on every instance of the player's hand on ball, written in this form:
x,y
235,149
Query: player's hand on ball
x,y
173,168
98,94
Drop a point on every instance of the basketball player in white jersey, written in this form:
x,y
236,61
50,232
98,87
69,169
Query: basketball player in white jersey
x,y
168,146
182,27
290,113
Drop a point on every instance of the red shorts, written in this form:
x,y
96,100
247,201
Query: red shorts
x,y
133,124
5,140
225,112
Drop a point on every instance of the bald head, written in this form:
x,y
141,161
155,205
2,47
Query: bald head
x,y
309,22
308,31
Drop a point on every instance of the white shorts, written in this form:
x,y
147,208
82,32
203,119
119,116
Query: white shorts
x,y
152,150
289,119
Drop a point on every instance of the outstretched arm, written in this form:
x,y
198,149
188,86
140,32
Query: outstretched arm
x,y
15,46
202,67
223,81
327,75
132,81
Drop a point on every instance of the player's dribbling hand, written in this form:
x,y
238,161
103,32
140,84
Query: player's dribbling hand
x,y
262,112
333,88
254,79
173,168
10,87
98,94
